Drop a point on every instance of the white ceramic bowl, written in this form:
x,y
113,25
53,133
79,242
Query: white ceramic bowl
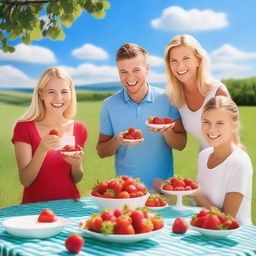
x,y
29,227
121,238
214,234
118,203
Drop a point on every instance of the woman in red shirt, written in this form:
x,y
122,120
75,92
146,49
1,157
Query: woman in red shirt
x,y
45,172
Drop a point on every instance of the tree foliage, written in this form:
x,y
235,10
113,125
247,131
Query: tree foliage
x,y
242,91
34,19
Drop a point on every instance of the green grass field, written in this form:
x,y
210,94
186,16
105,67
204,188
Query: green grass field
x,y
96,168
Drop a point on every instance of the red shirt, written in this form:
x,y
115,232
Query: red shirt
x,y
54,180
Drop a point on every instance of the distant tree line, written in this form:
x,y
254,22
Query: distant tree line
x,y
243,91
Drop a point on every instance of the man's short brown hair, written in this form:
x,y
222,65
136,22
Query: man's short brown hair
x,y
130,50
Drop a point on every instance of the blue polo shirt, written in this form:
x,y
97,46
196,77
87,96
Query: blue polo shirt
x,y
151,159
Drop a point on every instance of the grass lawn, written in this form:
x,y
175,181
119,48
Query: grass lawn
x,y
96,168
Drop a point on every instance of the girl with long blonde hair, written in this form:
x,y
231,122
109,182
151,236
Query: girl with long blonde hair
x,y
45,172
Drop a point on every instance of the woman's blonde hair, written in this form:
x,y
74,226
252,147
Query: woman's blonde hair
x,y
36,110
223,102
204,82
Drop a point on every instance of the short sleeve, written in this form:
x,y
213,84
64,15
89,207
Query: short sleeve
x,y
105,121
21,133
174,113
240,177
81,133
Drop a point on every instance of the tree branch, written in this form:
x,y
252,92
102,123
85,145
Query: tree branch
x,y
16,3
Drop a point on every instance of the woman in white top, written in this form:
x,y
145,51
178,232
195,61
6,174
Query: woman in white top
x,y
189,84
224,169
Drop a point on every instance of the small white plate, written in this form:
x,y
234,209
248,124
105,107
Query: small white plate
x,y
138,140
158,126
214,234
155,208
121,238
29,227
70,153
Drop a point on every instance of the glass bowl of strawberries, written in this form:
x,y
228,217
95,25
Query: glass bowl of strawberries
x,y
158,122
179,187
214,224
122,225
120,191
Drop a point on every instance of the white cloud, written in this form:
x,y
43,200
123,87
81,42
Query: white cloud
x,y
30,53
88,73
228,53
89,51
155,61
13,77
177,19
155,77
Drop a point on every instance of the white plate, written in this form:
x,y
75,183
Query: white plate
x,y
70,153
158,126
121,238
155,208
135,140
175,193
214,234
29,227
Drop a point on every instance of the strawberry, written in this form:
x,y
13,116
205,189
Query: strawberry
x,y
144,226
203,212
212,222
47,216
179,183
131,189
54,132
102,187
109,194
150,203
118,212
194,185
234,224
168,120
188,188
123,194
188,182
138,135
115,185
97,222
179,226
96,193
179,189
74,243
158,120
108,215
168,187
123,226
140,186
198,222
129,137
131,129
157,222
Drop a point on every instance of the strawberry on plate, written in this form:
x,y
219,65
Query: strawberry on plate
x,y
214,224
132,135
47,215
124,225
158,122
156,202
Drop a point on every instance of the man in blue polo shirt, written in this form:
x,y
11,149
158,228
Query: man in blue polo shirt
x,y
131,107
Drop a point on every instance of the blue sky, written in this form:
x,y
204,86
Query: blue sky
x,y
226,29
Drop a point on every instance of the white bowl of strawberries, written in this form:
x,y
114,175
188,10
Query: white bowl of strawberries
x,y
120,191
214,224
132,135
123,225
158,122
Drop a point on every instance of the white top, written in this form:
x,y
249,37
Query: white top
x,y
192,119
232,175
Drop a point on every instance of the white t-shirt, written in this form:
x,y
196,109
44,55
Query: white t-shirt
x,y
232,175
192,119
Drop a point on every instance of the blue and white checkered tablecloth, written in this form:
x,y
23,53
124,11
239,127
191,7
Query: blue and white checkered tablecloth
x,y
242,242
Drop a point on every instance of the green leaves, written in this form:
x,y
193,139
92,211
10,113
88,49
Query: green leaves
x,y
36,20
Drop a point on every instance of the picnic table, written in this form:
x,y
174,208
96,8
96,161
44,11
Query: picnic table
x,y
241,242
